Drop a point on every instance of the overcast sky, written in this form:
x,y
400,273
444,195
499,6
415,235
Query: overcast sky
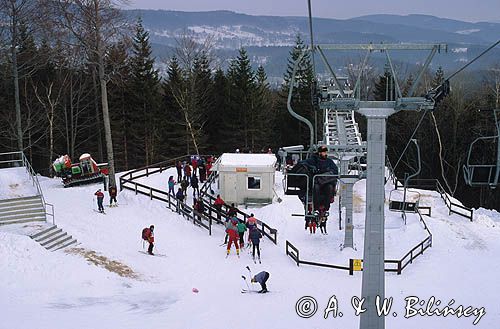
x,y
466,10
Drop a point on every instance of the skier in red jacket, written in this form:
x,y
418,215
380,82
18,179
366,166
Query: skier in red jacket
x,y
100,199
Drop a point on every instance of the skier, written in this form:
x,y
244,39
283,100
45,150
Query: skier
x,y
148,235
100,199
178,166
180,199
232,232
255,237
195,186
171,183
261,278
241,232
112,196
218,205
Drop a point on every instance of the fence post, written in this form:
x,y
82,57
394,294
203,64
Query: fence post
x,y
399,267
147,172
135,184
209,225
151,193
351,266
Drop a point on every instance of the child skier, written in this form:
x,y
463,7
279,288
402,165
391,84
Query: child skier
x,y
180,199
100,199
195,186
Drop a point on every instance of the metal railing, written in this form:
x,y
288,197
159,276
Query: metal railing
x,y
435,185
20,158
212,212
391,265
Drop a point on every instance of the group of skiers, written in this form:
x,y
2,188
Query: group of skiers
x,y
235,231
100,198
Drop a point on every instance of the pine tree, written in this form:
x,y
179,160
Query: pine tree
x,y
238,121
215,121
292,131
174,133
145,85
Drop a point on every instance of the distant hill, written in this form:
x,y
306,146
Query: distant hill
x,y
270,38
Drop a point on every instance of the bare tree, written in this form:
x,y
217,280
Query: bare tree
x,y
95,24
20,13
187,52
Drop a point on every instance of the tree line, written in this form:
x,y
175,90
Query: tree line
x,y
77,78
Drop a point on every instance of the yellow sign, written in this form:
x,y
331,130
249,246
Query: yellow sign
x,y
356,264
241,169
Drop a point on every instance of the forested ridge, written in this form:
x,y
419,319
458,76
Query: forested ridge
x,y
77,78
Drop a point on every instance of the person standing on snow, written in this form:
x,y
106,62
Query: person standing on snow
x,y
187,172
112,196
232,231
218,205
195,186
241,232
100,199
171,184
261,278
180,199
255,237
184,186
178,166
148,235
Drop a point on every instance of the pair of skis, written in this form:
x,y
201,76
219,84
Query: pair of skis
x,y
154,254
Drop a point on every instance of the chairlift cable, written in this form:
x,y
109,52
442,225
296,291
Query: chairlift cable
x,y
409,141
472,61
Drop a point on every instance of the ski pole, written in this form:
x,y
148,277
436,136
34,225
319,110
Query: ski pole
x,y
245,279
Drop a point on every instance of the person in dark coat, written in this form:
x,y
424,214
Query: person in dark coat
x,y
100,199
323,187
255,237
261,278
180,199
178,166
195,186
112,196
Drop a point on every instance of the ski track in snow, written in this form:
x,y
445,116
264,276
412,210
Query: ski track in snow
x,y
40,289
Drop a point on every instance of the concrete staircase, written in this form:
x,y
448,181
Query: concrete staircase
x,y
53,238
22,210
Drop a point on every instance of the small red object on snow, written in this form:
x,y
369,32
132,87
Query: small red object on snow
x,y
195,290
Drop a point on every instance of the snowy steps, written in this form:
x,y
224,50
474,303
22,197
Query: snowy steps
x,y
22,210
53,238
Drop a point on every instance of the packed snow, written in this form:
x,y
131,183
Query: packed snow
x,y
105,282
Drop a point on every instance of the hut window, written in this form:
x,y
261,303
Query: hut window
x,y
253,182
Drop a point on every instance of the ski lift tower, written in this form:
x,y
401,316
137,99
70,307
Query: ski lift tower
x,y
376,112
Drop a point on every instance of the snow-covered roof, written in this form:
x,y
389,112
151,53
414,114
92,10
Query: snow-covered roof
x,y
245,160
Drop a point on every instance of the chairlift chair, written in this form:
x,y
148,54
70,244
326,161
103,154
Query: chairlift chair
x,y
397,201
483,174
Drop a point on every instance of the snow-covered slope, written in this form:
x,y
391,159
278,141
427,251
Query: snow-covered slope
x,y
128,289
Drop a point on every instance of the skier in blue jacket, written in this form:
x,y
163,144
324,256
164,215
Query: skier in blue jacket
x,y
261,278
